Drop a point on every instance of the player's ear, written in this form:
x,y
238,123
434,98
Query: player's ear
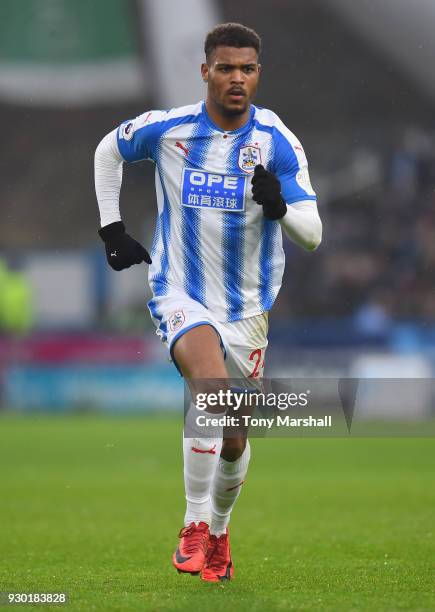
x,y
259,68
204,72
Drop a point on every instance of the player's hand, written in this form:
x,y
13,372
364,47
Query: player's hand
x,y
266,191
122,251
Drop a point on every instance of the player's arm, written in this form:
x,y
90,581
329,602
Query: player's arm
x,y
285,192
302,224
300,220
122,251
108,178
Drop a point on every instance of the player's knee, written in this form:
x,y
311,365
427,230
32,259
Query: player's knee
x,y
210,395
232,448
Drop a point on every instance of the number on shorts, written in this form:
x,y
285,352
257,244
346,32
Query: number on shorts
x,y
255,356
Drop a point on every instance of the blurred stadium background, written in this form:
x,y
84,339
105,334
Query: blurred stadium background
x,y
352,80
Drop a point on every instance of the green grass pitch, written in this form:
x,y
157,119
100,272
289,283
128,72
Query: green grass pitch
x,y
92,506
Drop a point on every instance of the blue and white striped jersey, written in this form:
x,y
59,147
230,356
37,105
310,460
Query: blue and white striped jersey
x,y
212,241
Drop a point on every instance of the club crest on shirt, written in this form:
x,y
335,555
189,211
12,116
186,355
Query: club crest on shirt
x,y
176,320
249,157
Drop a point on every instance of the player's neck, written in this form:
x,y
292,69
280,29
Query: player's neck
x,y
226,122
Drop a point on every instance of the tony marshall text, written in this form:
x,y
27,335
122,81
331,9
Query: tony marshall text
x,y
269,422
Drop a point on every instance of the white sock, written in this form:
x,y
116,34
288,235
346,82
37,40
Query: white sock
x,y
227,485
201,456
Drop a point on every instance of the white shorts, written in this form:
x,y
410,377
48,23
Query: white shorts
x,y
243,342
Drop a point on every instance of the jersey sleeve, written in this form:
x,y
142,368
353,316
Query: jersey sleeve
x,y
138,138
291,167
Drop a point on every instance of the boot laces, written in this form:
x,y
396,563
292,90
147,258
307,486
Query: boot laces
x,y
195,537
216,556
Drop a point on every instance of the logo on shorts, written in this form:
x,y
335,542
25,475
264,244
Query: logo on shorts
x,y
176,320
249,157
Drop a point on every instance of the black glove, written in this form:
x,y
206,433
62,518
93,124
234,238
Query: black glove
x,y
266,191
122,251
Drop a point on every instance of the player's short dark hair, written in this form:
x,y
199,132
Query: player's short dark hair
x,y
231,35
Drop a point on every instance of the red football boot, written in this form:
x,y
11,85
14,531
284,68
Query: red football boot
x,y
218,565
192,550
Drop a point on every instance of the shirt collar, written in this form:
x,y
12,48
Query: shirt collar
x,y
239,130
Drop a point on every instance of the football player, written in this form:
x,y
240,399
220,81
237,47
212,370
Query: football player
x,y
230,178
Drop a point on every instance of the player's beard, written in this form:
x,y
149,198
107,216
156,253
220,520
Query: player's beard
x,y
234,111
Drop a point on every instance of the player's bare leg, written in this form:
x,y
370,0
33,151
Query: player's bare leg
x,y
199,354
